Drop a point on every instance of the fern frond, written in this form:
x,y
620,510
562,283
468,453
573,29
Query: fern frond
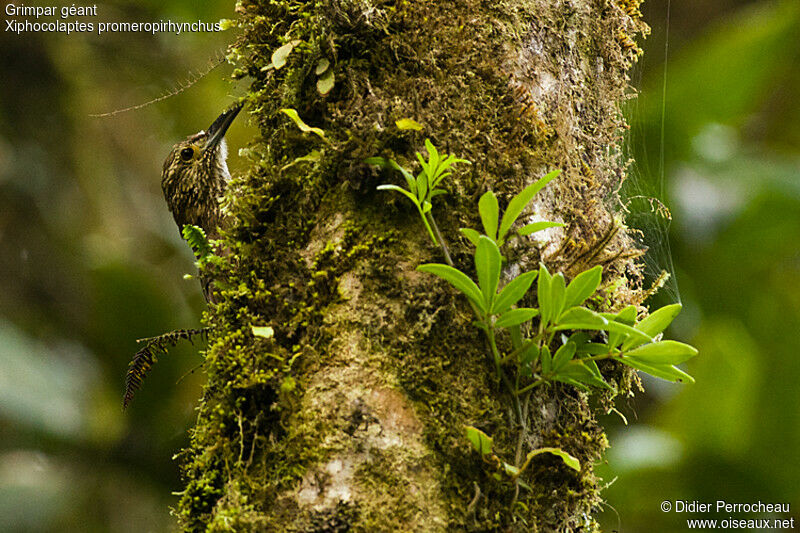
x,y
197,239
144,359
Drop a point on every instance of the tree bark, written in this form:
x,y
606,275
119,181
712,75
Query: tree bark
x,y
351,418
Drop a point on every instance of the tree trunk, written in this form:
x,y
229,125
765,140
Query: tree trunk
x,y
351,418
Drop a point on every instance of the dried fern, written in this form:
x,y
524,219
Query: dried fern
x,y
144,359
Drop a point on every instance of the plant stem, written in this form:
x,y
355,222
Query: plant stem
x,y
531,386
439,237
428,227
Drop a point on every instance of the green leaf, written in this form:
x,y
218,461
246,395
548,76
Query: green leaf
x,y
489,210
322,66
543,294
312,157
521,200
472,235
563,355
547,360
487,265
539,226
379,161
557,294
593,348
622,332
408,124
481,442
196,237
515,317
305,128
412,183
279,56
626,317
583,286
529,354
663,353
579,372
513,292
568,459
457,279
400,190
511,470
263,331
655,323
580,318
326,82
667,372
422,186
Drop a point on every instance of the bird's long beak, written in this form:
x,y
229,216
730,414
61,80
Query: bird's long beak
x,y
216,132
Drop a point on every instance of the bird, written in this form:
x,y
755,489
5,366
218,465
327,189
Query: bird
x,y
195,175
193,179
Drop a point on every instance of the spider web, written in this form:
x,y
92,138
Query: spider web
x,y
643,194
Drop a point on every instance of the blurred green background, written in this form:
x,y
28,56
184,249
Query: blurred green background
x,y
90,260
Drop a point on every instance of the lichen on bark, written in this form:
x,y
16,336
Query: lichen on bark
x,y
351,417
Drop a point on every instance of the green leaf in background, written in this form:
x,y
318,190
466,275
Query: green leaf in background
x,y
568,459
583,286
481,442
326,82
487,265
305,128
489,211
513,292
263,331
457,279
724,76
515,317
322,66
408,124
280,55
520,201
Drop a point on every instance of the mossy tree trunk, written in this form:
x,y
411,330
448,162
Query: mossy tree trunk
x,y
351,417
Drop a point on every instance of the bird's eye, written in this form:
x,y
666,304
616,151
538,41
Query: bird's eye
x,y
187,154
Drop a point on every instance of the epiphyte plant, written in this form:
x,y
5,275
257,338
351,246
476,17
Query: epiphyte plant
x,y
559,340
423,188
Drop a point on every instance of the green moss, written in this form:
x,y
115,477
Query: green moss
x,y
328,262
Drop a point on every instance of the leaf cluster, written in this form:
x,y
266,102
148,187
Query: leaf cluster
x,y
425,186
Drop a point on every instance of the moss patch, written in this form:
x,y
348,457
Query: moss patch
x,y
351,417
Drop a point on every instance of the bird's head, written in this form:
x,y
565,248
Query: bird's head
x,y
195,173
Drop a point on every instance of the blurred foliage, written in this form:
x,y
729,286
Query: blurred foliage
x,y
732,178
91,261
